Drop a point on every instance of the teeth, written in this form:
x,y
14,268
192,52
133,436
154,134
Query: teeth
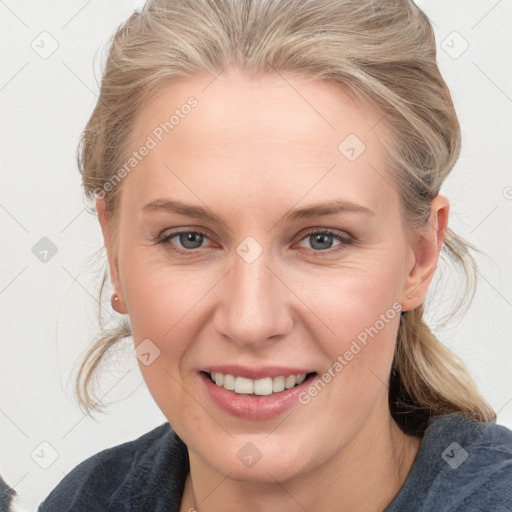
x,y
290,381
300,379
278,384
229,382
262,387
244,386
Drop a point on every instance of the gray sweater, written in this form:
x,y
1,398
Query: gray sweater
x,y
462,465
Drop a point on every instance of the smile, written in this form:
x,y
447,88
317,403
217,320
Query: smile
x,y
261,387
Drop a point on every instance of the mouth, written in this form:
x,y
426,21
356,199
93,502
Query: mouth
x,y
255,393
258,387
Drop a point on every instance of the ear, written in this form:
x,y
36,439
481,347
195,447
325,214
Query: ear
x,y
427,248
106,228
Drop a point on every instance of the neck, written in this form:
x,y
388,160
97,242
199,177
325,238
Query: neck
x,y
365,476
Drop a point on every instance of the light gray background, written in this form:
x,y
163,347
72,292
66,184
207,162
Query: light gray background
x,y
48,308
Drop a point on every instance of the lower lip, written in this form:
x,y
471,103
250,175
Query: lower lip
x,y
254,407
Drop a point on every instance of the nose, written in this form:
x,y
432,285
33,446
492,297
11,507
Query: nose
x,y
254,308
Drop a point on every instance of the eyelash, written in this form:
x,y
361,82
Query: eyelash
x,y
345,240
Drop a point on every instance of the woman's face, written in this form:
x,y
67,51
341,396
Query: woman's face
x,y
295,263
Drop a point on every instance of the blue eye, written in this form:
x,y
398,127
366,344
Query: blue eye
x,y
322,239
189,240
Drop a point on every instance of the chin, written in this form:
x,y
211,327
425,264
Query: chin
x,y
256,460
267,472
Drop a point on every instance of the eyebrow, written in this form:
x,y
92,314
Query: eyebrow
x,y
316,210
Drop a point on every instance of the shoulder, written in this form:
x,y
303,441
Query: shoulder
x,y
120,477
6,495
462,465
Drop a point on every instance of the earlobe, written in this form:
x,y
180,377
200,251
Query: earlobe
x,y
426,254
117,300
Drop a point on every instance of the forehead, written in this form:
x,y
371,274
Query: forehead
x,y
236,106
278,130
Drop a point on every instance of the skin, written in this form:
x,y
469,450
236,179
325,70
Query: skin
x,y
251,151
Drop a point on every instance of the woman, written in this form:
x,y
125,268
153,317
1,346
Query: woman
x,y
266,176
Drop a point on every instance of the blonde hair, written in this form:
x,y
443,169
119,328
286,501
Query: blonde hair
x,y
383,53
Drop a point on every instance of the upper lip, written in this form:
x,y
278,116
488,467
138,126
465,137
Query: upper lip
x,y
255,373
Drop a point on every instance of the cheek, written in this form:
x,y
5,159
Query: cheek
x,y
162,308
355,296
158,296
362,312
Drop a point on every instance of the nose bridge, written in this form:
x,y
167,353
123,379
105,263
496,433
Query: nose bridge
x,y
253,309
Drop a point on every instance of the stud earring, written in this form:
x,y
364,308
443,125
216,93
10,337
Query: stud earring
x,y
114,301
